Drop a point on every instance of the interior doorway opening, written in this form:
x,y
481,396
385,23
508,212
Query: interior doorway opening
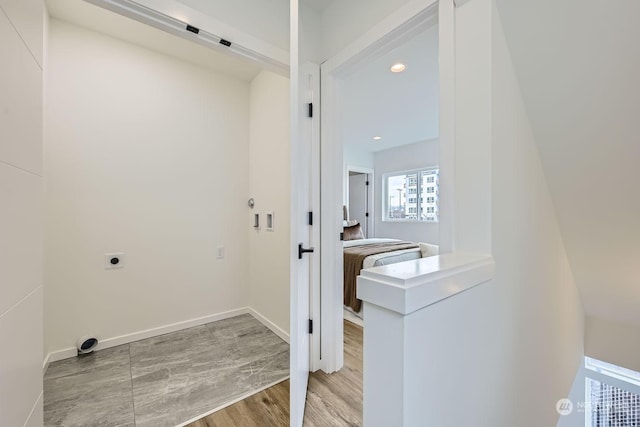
x,y
339,137
359,198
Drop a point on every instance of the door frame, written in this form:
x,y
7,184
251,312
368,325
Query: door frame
x,y
394,30
371,176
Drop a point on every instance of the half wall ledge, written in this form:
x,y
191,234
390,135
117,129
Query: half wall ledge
x,y
412,285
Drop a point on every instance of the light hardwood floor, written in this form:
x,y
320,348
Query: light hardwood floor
x,y
332,399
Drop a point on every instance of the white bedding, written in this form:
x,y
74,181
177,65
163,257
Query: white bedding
x,y
384,258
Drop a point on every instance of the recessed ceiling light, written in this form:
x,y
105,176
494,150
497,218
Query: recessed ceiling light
x,y
398,68
377,138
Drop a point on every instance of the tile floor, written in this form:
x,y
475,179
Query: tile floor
x,y
165,380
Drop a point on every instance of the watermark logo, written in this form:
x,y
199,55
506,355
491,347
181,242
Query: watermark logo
x,y
564,407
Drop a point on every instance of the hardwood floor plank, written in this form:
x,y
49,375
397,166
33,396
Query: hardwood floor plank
x,y
336,399
269,407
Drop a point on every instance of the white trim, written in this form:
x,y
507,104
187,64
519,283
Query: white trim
x,y
313,71
359,169
269,324
349,316
236,400
45,363
410,286
67,353
447,71
331,263
391,32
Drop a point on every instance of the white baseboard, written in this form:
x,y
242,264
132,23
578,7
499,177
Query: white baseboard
x,y
269,324
45,363
67,353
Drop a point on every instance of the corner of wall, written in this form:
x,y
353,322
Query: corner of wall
x,y
269,154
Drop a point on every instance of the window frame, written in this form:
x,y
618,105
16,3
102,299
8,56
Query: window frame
x,y
417,172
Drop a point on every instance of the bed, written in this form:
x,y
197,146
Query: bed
x,y
363,253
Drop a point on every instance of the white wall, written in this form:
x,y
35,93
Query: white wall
x,y
521,333
343,22
269,186
147,155
577,397
310,34
353,156
21,284
413,156
613,342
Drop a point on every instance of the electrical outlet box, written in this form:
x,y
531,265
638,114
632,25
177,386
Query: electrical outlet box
x,y
220,252
269,216
114,260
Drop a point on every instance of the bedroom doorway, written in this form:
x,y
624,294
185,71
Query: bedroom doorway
x,y
337,151
359,196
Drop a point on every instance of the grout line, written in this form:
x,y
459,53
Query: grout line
x,y
23,40
21,169
133,400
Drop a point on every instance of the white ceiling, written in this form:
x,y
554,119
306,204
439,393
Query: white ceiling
x,y
95,18
402,108
578,63
318,5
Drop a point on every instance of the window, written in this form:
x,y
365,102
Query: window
x,y
406,195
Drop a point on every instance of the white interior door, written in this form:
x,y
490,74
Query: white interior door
x,y
305,235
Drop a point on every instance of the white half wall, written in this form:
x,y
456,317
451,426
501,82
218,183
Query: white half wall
x,y
146,155
269,186
21,229
407,157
